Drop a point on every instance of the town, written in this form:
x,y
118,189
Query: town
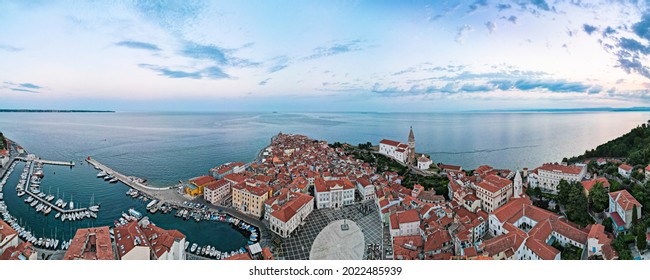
x,y
382,202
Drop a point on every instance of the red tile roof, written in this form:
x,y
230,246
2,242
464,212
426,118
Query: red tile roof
x,y
625,167
24,249
389,142
128,237
541,249
201,181
571,169
408,216
91,244
214,185
589,184
624,199
291,207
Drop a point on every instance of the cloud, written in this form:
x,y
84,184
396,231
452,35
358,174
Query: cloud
x,y
462,33
212,72
10,48
23,90
334,49
491,26
209,52
551,85
279,63
541,4
476,5
30,85
502,7
589,28
512,19
642,28
633,66
138,45
608,31
264,82
634,46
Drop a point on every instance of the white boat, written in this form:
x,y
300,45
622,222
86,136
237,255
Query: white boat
x,y
64,204
92,215
33,203
48,210
20,193
187,243
113,181
71,205
58,214
94,208
101,174
193,248
58,202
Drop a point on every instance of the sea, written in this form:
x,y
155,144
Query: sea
x,y
165,147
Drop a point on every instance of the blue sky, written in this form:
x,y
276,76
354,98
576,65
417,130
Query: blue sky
x,y
424,56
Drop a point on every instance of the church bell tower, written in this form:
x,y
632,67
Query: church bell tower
x,y
411,156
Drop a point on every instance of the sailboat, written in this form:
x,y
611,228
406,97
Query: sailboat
x,y
71,203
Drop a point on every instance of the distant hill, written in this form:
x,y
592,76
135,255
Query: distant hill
x,y
52,111
634,145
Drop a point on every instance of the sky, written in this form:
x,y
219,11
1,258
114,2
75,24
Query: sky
x,y
383,56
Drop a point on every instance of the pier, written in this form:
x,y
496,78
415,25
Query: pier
x,y
57,208
132,182
52,162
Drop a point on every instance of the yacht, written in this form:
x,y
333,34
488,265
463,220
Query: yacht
x,y
101,174
71,205
49,197
58,202
187,243
64,204
58,214
108,177
48,210
34,203
113,181
193,248
20,193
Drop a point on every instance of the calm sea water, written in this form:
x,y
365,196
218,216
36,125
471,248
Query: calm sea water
x,y
167,147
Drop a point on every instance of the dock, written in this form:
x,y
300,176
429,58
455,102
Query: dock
x,y
42,199
52,162
131,181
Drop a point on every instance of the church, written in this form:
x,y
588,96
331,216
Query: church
x,y
404,153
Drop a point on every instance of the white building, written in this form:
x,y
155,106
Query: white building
x,y
625,170
333,193
394,149
216,191
424,162
621,206
288,211
549,175
405,223
365,188
8,237
4,161
518,185
493,192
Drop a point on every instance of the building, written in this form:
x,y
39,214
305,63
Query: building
x,y
365,188
227,168
23,251
621,204
411,148
333,193
549,175
493,192
288,211
165,244
4,158
405,223
599,244
394,149
517,188
450,168
525,232
216,191
131,243
91,244
8,237
647,172
625,170
424,163
195,186
587,185
249,199
408,247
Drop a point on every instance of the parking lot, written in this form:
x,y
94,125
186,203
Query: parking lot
x,y
365,215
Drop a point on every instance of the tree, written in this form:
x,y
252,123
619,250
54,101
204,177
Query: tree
x,y
564,189
641,243
598,197
635,217
607,223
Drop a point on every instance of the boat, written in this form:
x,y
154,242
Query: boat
x,y
203,250
113,181
58,214
125,216
58,202
108,177
193,248
49,198
135,213
34,203
94,208
48,210
71,205
101,174
29,199
152,203
20,193
64,204
187,243
63,217
41,195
